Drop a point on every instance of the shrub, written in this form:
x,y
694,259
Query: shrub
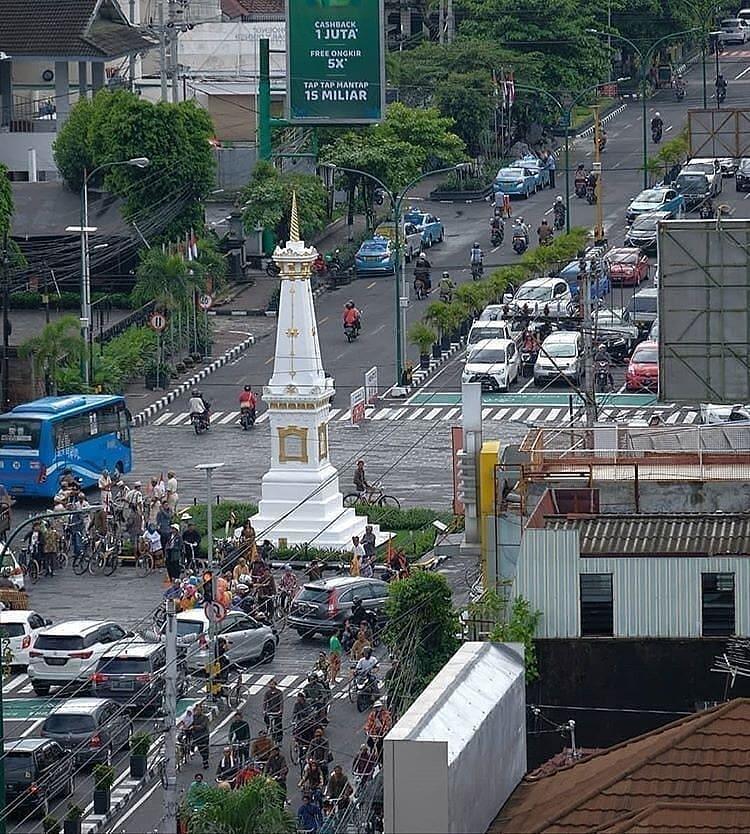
x,y
140,743
221,512
104,776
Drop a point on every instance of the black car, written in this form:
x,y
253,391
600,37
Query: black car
x,y
135,675
742,175
37,770
321,607
695,187
93,729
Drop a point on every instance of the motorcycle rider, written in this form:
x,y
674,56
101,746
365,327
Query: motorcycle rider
x,y
521,229
558,209
351,317
602,139
198,405
422,271
476,258
248,400
580,179
446,288
721,87
367,664
496,225
602,356
657,125
544,233
706,210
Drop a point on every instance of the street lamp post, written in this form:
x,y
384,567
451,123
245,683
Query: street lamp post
x,y
401,295
85,230
645,62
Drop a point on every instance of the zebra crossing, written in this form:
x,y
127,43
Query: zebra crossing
x,y
528,413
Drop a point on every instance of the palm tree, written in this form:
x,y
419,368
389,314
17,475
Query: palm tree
x,y
60,340
257,808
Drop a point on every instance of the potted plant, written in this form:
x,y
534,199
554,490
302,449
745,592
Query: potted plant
x,y
72,821
104,776
438,315
140,743
422,336
51,825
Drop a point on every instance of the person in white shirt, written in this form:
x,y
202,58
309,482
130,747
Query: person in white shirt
x,y
367,663
105,485
154,540
156,494
172,494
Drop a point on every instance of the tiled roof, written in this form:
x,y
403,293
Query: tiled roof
x,y
648,784
252,8
660,534
67,28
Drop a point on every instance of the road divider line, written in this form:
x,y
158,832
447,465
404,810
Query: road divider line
x,y
371,285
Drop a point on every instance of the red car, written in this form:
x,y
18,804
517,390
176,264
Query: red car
x,y
643,368
626,266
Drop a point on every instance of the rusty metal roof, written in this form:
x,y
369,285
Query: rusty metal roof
x,y
644,534
690,777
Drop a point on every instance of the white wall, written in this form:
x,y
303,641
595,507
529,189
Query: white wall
x,y
14,151
232,48
415,779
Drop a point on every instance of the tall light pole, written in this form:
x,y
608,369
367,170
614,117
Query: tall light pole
x,y
401,293
85,230
208,468
566,113
645,62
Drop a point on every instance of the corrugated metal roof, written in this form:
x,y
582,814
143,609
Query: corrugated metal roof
x,y
701,759
684,534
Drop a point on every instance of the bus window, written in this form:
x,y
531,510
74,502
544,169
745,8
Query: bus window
x,y
21,434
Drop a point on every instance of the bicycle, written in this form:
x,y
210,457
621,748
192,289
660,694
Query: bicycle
x,y
298,752
372,497
29,564
239,693
144,563
274,725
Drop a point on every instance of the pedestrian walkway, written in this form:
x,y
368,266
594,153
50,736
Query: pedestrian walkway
x,y
530,414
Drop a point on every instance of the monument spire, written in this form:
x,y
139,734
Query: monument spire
x,y
294,221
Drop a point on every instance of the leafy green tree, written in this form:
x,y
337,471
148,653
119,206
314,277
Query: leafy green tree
x,y
119,125
469,98
425,129
267,201
165,278
256,808
58,347
421,632
211,262
6,201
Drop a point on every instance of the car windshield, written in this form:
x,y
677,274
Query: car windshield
x,y
12,629
744,165
188,628
559,350
124,665
540,292
691,182
650,197
373,247
18,766
646,354
17,433
624,258
730,24
699,167
642,304
488,356
644,224
512,174
59,643
73,723
313,594
477,334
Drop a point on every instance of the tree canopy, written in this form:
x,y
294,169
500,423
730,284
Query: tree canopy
x,y
6,201
115,126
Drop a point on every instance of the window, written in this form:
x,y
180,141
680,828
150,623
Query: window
x,y
717,604
597,618
21,434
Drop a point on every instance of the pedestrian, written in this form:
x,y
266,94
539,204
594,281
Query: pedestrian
x,y
201,734
368,543
134,523
155,496
277,769
50,547
172,495
334,656
360,644
551,167
105,487
164,524
152,537
358,553
196,795
173,553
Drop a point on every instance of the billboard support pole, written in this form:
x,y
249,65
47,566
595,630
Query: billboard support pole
x,y
264,100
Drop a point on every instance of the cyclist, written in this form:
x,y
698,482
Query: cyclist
x,y
239,735
303,718
288,587
309,815
191,540
262,747
277,769
273,708
227,769
320,752
316,695
360,481
312,780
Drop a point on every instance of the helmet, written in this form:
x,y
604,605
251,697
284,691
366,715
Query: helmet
x,y
242,588
656,115
349,305
248,388
422,256
519,219
476,244
445,274
287,567
602,346
196,392
311,677
544,221
558,199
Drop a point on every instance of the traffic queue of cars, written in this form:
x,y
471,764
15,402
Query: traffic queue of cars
x,y
419,230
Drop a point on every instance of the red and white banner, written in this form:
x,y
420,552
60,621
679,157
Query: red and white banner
x,y
357,406
371,385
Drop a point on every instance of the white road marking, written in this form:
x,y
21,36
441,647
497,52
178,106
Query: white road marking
x,y
553,414
690,417
450,414
215,416
673,418
534,414
162,418
30,729
501,413
345,416
415,414
530,382
747,69
517,414
396,413
486,413
382,414
333,412
178,419
287,681
262,417
232,415
432,414
15,683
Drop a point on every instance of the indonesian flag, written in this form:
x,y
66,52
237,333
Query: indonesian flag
x,y
193,246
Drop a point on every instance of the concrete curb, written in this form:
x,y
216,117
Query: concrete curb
x,y
142,417
420,376
604,119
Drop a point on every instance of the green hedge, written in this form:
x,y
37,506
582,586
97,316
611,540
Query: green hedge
x,y
220,515
414,518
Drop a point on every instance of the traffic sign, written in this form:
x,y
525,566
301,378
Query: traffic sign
x,y
157,321
205,301
214,611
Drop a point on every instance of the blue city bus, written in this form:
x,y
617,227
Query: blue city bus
x,y
39,439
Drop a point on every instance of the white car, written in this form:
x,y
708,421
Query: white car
x,y
495,364
20,628
544,297
711,413
733,30
12,570
560,357
248,639
483,330
69,652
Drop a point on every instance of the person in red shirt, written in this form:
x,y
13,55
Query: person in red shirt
x,y
351,315
248,399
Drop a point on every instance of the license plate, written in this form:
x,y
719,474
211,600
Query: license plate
x,y
56,661
123,685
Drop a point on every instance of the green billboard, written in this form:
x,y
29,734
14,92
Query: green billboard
x,y
335,61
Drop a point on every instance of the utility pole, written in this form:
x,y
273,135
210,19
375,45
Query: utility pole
x,y
589,394
450,22
131,59
173,57
162,53
6,335
599,238
170,709
441,22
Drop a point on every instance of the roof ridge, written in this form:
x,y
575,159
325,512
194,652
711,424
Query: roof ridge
x,y
689,723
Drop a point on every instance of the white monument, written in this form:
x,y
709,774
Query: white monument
x,y
300,498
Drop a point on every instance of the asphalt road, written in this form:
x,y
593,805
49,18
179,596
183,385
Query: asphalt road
x,y
408,446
